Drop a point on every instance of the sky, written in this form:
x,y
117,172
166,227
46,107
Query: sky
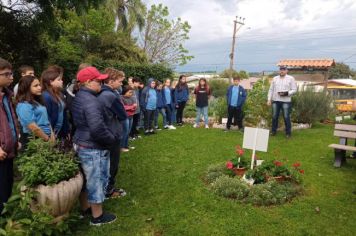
x,y
272,30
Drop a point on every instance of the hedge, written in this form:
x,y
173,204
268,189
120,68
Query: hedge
x,y
142,71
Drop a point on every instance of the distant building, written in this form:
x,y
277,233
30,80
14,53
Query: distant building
x,y
308,71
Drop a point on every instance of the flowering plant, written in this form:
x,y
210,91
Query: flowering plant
x,y
240,161
274,169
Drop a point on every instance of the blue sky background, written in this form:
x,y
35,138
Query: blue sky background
x,y
273,30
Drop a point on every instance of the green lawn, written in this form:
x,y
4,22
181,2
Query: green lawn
x,y
167,197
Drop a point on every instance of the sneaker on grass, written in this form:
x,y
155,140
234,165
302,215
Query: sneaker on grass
x,y
171,127
105,218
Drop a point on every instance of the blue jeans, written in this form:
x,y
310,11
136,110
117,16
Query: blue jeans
x,y
126,128
286,109
202,111
173,115
96,166
163,113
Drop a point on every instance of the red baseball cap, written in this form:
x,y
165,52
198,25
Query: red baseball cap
x,y
90,73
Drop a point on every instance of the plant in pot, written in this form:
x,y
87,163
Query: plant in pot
x,y
280,172
261,173
239,164
53,174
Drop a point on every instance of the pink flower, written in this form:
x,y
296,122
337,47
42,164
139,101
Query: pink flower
x,y
229,165
239,152
301,171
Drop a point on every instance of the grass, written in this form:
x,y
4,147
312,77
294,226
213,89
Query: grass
x,y
167,197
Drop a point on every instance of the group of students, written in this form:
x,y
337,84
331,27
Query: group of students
x,y
96,115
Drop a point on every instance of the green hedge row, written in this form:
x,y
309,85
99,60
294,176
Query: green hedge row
x,y
142,71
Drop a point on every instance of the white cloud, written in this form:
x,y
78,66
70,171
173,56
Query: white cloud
x,y
323,27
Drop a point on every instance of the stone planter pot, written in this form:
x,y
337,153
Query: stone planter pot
x,y
60,197
239,171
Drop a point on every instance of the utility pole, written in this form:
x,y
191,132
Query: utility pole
x,y
238,23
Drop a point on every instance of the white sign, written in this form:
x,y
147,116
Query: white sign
x,y
255,139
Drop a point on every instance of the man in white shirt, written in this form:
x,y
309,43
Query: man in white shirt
x,y
280,94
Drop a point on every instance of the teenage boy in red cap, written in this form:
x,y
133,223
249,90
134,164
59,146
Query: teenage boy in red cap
x,y
8,134
92,140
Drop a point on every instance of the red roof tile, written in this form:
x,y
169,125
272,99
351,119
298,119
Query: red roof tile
x,y
315,63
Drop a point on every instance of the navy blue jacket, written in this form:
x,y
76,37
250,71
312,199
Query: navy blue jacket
x,y
52,107
145,94
241,98
161,101
91,121
181,95
114,109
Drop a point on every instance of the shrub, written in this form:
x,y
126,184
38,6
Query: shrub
x,y
215,171
19,219
256,108
42,163
310,106
226,186
219,108
218,87
143,71
272,193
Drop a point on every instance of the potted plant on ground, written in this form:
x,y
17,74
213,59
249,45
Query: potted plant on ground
x,y
53,174
239,164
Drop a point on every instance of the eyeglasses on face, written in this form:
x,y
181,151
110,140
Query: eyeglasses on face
x,y
7,74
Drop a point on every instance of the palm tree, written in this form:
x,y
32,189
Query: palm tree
x,y
128,14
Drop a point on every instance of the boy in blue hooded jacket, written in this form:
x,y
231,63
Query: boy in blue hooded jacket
x,y
236,97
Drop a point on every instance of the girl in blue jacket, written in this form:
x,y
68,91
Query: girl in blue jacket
x,y
181,94
52,85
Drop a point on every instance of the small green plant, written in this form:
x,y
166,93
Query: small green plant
x,y
43,163
219,108
19,219
230,187
215,171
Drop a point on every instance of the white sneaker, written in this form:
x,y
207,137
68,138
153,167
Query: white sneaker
x,y
171,127
165,127
206,126
195,125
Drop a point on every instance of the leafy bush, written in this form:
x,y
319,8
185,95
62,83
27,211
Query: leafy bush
x,y
218,87
226,186
219,108
256,108
43,163
310,106
19,219
190,108
242,74
141,70
272,193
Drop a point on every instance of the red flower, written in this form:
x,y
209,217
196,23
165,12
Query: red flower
x,y
239,152
278,163
301,171
229,165
296,165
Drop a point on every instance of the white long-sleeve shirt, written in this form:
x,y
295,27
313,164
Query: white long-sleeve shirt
x,y
282,84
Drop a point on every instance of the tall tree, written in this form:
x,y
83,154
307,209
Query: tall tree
x,y
128,13
341,71
163,38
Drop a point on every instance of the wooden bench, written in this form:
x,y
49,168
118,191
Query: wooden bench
x,y
344,132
